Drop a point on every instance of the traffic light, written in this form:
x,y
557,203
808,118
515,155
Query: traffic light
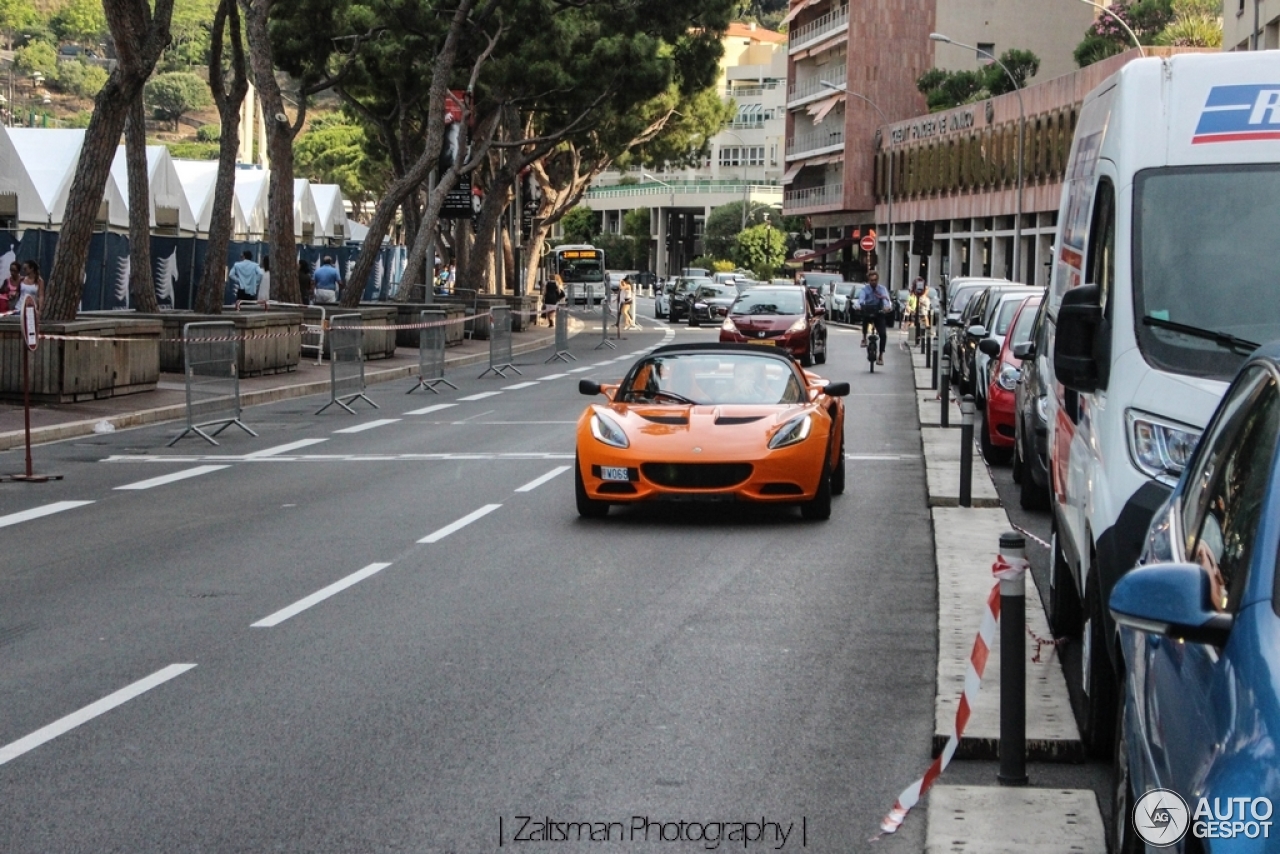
x,y
922,237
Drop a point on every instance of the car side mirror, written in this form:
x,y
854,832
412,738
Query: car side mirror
x,y
588,387
990,347
840,389
977,331
1025,350
1170,599
1080,339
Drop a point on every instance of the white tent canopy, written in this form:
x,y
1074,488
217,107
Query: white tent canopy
x,y
38,165
332,211
251,194
169,206
306,221
198,179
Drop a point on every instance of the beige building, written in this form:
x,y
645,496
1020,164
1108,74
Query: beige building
x,y
1251,24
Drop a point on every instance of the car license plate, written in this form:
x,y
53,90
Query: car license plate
x,y
614,473
765,341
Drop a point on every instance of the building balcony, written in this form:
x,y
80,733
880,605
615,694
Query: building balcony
x,y
826,196
802,91
816,30
816,142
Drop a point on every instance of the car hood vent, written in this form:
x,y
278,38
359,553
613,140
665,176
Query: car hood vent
x,y
665,419
731,420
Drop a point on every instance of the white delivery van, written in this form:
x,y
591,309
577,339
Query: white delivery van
x,y
1166,275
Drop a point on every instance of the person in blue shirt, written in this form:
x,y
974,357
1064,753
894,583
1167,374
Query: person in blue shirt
x,y
327,281
875,305
246,276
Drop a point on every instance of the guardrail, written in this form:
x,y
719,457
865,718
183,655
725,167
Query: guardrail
x,y
500,357
815,29
211,353
431,344
346,363
827,194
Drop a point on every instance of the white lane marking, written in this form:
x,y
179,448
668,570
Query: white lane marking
x,y
89,712
519,385
427,410
879,457
314,458
584,368
170,478
437,536
319,596
538,481
555,377
37,512
481,396
360,428
284,449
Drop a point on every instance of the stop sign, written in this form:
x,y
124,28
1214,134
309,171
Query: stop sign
x,y
868,243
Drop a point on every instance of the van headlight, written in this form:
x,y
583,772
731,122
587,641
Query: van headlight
x,y
794,431
729,326
606,430
1160,448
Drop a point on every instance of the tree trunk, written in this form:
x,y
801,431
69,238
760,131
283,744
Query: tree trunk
x,y
533,254
142,289
495,200
419,262
228,99
139,36
281,242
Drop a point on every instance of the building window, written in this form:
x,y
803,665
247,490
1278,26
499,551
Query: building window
x,y
755,155
987,51
730,155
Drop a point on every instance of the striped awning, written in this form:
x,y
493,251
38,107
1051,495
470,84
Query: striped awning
x,y
820,109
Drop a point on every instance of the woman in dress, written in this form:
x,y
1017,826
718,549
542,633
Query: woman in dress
x,y
32,283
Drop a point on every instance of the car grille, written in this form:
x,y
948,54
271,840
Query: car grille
x,y
696,475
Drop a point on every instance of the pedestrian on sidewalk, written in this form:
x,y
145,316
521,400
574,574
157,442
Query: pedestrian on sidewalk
x,y
328,282
627,305
246,275
551,299
264,285
32,284
10,288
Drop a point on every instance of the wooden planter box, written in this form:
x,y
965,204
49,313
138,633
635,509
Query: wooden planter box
x,y
66,371
411,312
272,339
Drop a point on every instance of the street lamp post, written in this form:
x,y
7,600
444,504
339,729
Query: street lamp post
x,y
1119,20
1022,134
884,120
746,189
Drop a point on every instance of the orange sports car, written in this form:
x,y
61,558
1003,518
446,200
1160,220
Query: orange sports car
x,y
712,422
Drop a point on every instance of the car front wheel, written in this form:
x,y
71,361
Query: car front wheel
x,y
588,507
819,509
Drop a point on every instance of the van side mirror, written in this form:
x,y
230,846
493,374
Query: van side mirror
x,y
1080,339
990,347
1025,350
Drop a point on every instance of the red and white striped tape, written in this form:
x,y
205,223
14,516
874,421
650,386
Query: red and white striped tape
x,y
1004,569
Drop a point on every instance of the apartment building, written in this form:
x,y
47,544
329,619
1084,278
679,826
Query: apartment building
x,y
1251,24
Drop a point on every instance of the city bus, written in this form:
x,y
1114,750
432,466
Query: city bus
x,y
580,267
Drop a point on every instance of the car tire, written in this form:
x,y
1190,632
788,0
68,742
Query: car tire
x,y
1097,724
993,455
821,358
1064,603
588,507
1031,495
1015,464
1121,838
819,509
837,476
693,320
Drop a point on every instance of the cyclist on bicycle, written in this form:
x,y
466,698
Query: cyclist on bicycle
x,y
875,304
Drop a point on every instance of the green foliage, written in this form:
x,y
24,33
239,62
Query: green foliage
x,y
725,222
81,21
175,93
191,31
635,224
208,133
621,252
946,89
705,262
1095,48
580,225
37,56
1195,31
80,78
334,150
761,249
17,15
193,150
723,266
80,120
1184,23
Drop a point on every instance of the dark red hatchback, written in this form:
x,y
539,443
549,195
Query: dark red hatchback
x,y
786,317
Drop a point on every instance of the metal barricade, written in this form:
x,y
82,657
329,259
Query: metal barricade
x,y
211,352
604,326
346,362
313,336
561,319
500,356
431,342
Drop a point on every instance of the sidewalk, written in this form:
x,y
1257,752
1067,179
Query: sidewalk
x,y
55,422
992,819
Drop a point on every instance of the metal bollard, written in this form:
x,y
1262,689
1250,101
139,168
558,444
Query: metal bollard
x,y
944,388
927,346
1013,667
936,345
604,326
966,451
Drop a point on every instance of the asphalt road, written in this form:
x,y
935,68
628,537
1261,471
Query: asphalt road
x,y
404,638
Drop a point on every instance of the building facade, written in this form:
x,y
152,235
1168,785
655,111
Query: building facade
x,y
1251,24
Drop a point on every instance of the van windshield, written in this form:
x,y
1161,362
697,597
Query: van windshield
x,y
1205,259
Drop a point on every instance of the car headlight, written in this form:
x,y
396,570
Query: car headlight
x,y
607,430
795,430
1008,377
1160,449
798,326
729,326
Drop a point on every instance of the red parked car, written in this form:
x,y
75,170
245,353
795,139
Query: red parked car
x,y
1004,372
786,317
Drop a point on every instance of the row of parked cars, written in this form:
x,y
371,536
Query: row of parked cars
x,y
1139,402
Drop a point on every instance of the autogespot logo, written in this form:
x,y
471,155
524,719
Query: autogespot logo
x,y
1160,818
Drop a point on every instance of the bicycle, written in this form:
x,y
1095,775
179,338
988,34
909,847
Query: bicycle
x,y
873,348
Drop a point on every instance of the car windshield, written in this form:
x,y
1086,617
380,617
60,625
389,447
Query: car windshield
x,y
684,286
770,302
1008,308
961,298
1026,321
716,291
1210,268
712,378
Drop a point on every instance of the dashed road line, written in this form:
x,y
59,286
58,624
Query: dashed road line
x,y
283,449
368,425
538,481
427,410
319,596
481,396
66,724
437,536
171,478
37,512
555,377
520,385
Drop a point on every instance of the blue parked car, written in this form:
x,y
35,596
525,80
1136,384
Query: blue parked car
x,y
1200,638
